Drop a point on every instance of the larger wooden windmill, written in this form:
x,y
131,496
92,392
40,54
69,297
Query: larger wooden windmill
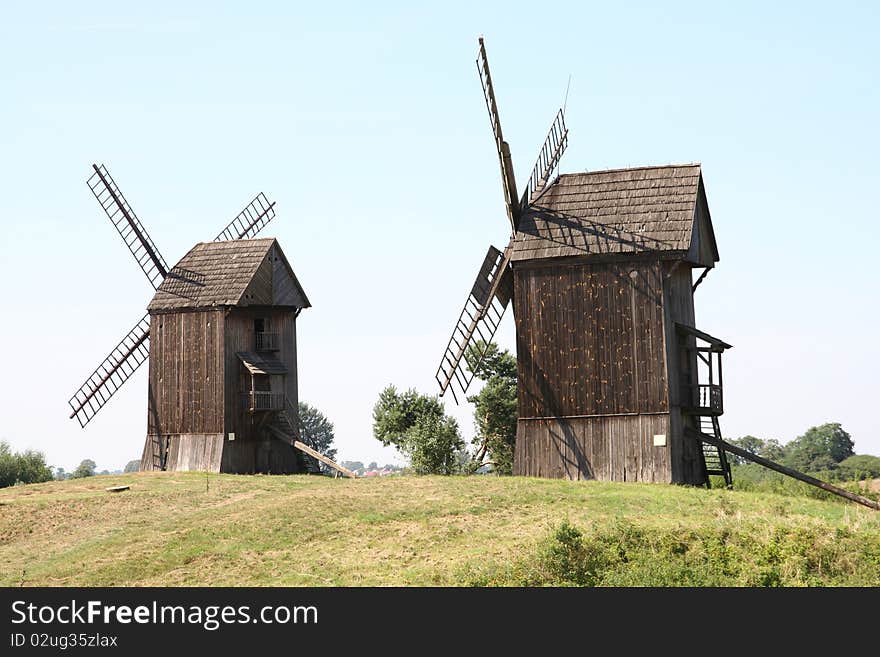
x,y
615,380
220,334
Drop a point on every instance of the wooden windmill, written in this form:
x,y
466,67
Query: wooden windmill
x,y
220,334
615,382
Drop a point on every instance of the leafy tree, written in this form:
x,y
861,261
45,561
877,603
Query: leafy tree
x,y
85,469
373,466
316,431
495,411
772,450
353,465
28,467
769,449
133,466
860,466
820,448
418,427
61,474
32,467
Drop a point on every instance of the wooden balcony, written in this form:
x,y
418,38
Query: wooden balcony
x,y
266,341
258,401
703,399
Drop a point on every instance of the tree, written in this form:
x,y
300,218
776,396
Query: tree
x,y
820,448
418,427
772,450
373,466
28,467
132,466
85,469
769,449
495,411
860,466
316,431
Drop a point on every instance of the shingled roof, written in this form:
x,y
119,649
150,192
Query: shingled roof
x,y
648,209
231,273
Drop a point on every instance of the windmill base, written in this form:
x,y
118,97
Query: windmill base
x,y
212,452
646,448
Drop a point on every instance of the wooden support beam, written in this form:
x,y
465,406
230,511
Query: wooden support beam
x,y
323,459
800,476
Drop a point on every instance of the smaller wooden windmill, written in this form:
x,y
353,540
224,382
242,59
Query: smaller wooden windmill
x,y
615,382
220,334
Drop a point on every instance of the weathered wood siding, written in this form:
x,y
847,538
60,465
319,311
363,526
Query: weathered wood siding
x,y
590,339
678,306
253,450
611,448
592,370
187,451
185,387
186,373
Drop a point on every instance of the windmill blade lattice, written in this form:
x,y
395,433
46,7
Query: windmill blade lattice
x,y
127,224
548,159
116,369
477,323
249,221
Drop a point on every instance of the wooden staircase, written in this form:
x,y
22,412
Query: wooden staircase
x,y
714,458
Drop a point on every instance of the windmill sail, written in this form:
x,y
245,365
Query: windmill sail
x,y
127,224
115,370
507,177
548,159
477,323
249,221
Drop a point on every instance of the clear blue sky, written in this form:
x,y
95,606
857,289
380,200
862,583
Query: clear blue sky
x,y
366,124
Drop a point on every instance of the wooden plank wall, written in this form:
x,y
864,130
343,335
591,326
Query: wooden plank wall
x,y
687,466
611,448
590,339
201,451
252,450
592,370
186,373
285,289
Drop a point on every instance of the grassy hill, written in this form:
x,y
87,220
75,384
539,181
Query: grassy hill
x,y
169,529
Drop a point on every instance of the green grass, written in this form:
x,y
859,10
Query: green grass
x,y
299,530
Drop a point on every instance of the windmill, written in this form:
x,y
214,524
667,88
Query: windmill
x,y
222,386
132,350
614,380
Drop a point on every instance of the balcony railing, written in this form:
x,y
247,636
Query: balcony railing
x,y
703,397
266,341
263,401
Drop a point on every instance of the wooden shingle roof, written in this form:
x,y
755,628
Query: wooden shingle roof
x,y
648,209
231,273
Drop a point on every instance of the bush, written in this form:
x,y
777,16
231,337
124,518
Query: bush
x,y
729,554
86,468
28,467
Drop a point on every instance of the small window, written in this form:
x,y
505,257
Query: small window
x,y
259,325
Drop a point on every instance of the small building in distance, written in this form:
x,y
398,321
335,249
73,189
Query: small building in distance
x,y
223,362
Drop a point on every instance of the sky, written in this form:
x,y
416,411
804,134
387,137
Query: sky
x,y
365,122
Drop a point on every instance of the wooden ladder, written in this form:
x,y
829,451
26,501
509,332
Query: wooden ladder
x,y
714,459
